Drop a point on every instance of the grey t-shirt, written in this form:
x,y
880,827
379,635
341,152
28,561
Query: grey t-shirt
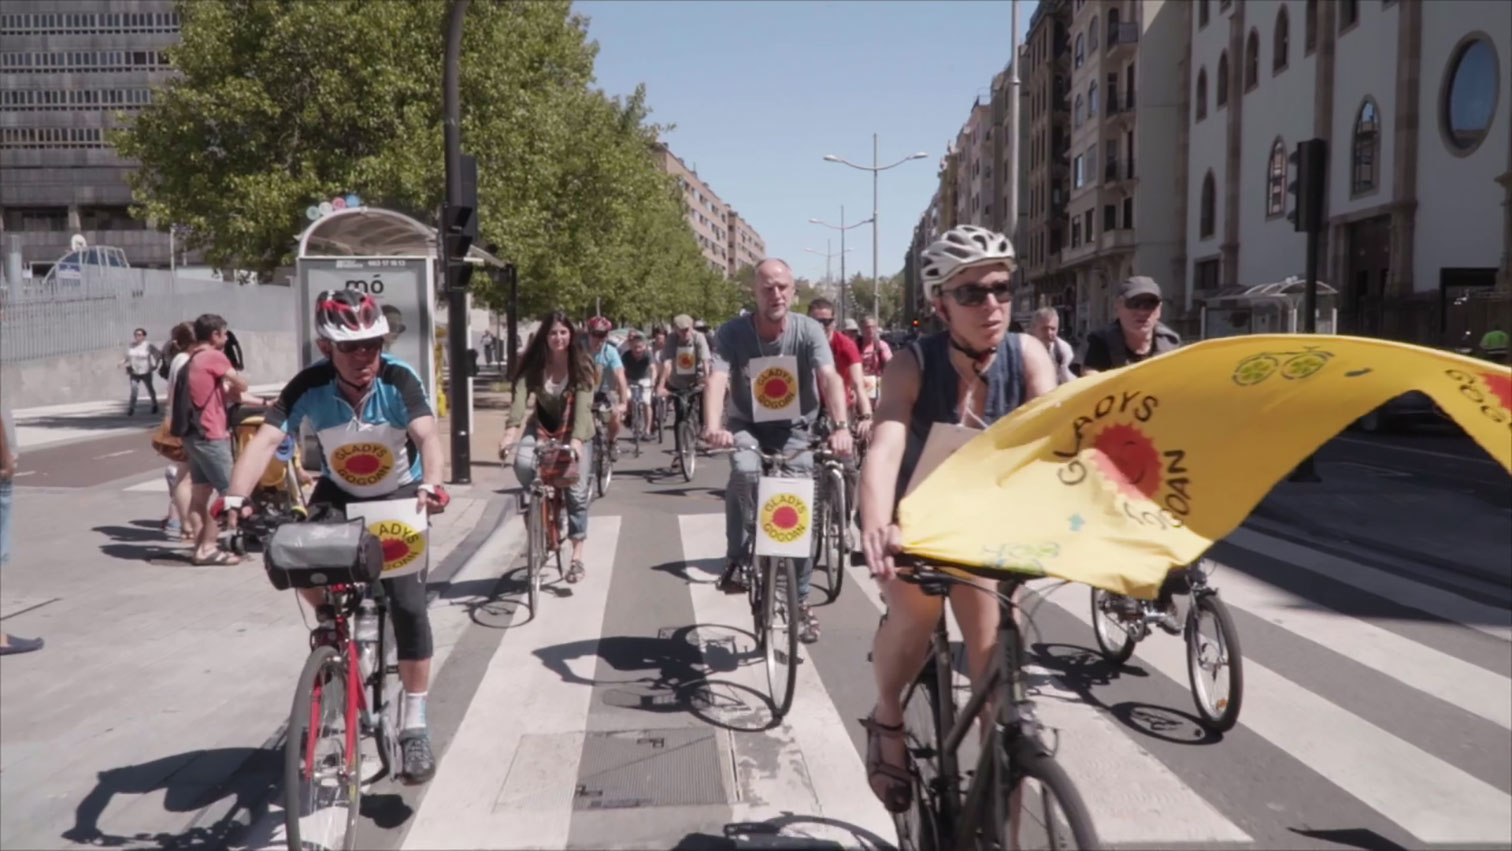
x,y
736,345
701,356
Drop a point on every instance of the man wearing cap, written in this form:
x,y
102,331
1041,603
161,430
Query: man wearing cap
x,y
1135,335
685,364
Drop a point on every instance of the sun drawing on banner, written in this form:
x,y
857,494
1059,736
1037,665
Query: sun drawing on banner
x,y
784,518
684,360
1128,458
362,464
775,388
1501,388
401,543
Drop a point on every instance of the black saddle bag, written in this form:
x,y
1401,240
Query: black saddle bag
x,y
314,554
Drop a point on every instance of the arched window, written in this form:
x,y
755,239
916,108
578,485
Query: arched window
x,y
1080,114
1202,13
1220,81
1081,49
1112,27
1310,26
1280,42
1201,93
1092,100
1365,152
1252,60
1275,180
1092,35
1207,207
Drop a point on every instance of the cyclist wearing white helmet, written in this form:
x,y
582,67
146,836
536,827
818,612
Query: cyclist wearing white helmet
x,y
941,388
367,407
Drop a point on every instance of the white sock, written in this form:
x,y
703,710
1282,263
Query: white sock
x,y
414,711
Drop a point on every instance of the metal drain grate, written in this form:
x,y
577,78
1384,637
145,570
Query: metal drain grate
x,y
649,768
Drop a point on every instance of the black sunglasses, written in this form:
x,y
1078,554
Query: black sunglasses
x,y
826,322
973,295
348,347
1145,303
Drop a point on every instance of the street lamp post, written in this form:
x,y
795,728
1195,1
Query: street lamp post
x,y
876,170
842,227
827,254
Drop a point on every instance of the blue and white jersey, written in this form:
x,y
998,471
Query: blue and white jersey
x,y
367,453
607,360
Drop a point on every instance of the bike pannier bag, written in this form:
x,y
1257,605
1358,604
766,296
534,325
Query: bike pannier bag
x,y
313,555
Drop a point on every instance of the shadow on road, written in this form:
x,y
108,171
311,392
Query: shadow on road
x,y
702,571
192,781
1354,837
786,831
94,422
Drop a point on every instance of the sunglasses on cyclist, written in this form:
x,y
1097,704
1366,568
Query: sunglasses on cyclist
x,y
826,322
973,295
1143,303
348,347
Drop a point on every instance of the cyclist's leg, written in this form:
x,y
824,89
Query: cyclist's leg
x,y
579,497
740,501
977,613
613,419
414,645
898,653
135,383
525,460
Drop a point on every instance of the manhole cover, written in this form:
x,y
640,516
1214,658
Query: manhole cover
x,y
649,768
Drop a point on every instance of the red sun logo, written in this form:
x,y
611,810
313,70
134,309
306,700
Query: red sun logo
x,y
364,464
1129,459
785,517
394,549
775,388
1501,388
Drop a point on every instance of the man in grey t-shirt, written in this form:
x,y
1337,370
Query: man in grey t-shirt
x,y
789,401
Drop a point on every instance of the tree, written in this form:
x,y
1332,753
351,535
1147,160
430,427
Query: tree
x,y
280,104
890,313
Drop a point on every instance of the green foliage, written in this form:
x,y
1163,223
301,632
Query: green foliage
x,y
281,104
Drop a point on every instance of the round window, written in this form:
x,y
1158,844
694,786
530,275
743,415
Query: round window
x,y
1470,98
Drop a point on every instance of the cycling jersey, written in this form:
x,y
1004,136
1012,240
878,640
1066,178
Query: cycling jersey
x,y
637,368
607,359
366,452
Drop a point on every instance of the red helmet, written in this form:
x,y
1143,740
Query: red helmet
x,y
599,325
342,315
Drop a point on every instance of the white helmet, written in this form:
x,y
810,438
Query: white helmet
x,y
963,247
349,315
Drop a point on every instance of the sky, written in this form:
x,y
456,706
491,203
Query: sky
x,y
761,90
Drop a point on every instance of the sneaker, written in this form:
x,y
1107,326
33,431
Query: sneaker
x,y
733,582
808,631
419,762
16,644
1171,622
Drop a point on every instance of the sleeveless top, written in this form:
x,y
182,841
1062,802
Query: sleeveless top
x,y
939,394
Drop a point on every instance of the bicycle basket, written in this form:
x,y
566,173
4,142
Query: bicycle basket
x,y
558,467
313,555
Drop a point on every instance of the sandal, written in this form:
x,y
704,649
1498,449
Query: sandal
x,y
220,558
575,572
899,795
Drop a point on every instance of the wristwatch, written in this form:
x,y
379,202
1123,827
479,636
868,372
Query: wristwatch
x,y
233,503
841,425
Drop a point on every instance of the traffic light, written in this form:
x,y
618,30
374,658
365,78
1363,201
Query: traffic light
x,y
1309,170
459,227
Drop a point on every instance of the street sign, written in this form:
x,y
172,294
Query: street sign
x,y
403,289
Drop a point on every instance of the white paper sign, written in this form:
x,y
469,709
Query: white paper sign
x,y
784,517
774,389
403,529
686,361
944,439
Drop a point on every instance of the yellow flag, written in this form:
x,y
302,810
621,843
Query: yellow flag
x,y
1114,479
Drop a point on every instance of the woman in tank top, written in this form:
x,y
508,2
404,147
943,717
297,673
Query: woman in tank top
x,y
963,378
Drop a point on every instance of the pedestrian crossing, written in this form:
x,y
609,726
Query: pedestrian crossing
x,y
1404,739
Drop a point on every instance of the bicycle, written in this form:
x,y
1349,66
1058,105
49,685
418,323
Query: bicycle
x,y
832,513
1218,709
686,437
545,523
322,750
944,815
658,415
638,428
603,465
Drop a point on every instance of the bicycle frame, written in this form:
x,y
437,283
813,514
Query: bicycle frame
x,y
345,600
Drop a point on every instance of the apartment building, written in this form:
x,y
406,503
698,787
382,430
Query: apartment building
x,y
66,71
1413,100
707,215
1045,157
746,246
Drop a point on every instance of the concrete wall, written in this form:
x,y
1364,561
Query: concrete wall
x,y
1365,65
1208,139
271,357
1157,83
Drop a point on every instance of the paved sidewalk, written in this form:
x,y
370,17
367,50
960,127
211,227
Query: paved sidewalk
x,y
162,685
1390,513
52,424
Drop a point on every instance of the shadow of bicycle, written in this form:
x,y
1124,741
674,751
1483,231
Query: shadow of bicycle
x,y
786,831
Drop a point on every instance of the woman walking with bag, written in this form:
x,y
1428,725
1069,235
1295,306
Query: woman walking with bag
x,y
171,448
557,372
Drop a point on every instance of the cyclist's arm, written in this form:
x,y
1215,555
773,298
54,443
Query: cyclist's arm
x,y
622,384
834,393
516,421
582,418
884,458
1039,371
282,418
714,399
858,381
423,431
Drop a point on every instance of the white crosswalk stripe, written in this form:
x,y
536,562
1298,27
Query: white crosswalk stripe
x,y
509,777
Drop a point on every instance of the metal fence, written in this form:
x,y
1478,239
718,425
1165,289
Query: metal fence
x,y
101,307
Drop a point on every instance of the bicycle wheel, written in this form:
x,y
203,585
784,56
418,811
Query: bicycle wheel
x,y
1039,807
322,776
780,624
1217,655
538,544
688,454
918,826
558,515
602,466
1115,642
837,520
637,425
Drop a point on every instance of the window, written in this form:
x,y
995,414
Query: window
x,y
1220,97
1079,114
1076,232
1201,93
1078,176
1206,208
1252,61
1310,26
1087,225
1205,275
1470,92
1280,42
1081,50
1092,100
1128,213
1092,35
1110,217
1275,180
1349,14
1365,151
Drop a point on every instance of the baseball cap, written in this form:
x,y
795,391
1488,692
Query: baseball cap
x,y
1139,285
850,325
682,322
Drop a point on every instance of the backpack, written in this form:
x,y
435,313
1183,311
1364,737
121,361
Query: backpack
x,y
166,359
183,416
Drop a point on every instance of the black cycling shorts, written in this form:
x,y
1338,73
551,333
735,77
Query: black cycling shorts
x,y
406,594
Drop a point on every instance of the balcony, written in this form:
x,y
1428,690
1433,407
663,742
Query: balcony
x,y
1110,172
1121,38
1117,240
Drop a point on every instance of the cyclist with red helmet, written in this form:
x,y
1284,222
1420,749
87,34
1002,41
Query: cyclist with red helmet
x,y
360,397
612,383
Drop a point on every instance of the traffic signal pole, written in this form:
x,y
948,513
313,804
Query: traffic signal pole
x,y
1310,164
455,216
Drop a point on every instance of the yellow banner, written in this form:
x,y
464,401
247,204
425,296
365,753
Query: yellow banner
x,y
1113,479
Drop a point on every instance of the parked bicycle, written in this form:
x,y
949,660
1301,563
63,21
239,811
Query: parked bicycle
x,y
341,697
1017,796
1215,667
544,507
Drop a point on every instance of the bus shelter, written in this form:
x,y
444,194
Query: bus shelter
x,y
390,256
1274,308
